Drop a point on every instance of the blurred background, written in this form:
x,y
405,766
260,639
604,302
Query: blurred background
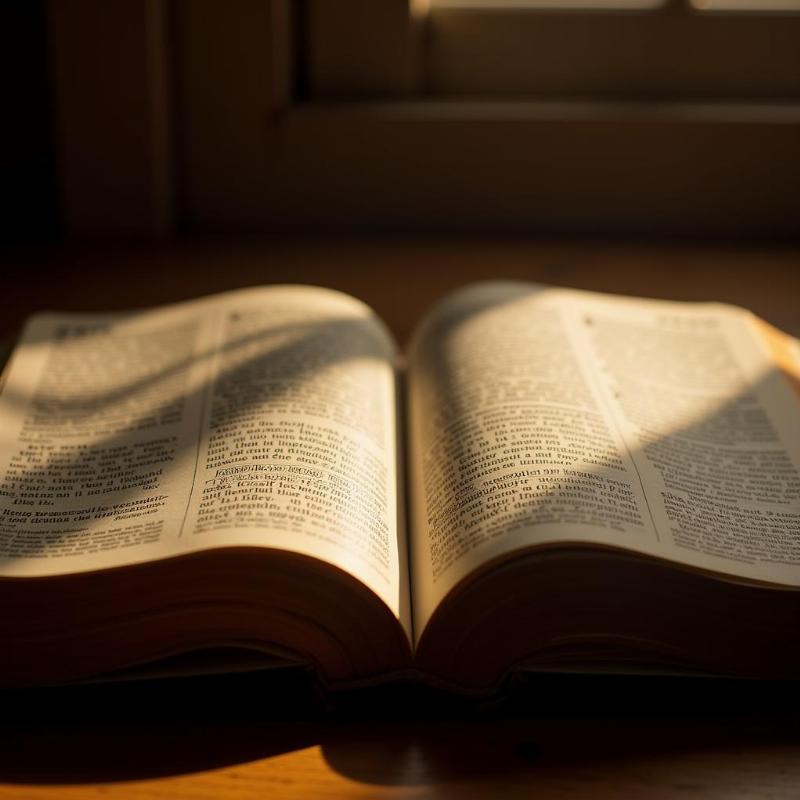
x,y
188,146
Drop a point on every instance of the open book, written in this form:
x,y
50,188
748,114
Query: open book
x,y
591,482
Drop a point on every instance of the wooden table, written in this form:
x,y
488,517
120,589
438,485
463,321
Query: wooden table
x,y
266,736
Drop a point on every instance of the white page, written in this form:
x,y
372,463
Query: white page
x,y
519,438
108,456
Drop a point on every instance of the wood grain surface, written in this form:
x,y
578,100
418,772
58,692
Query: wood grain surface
x,y
238,737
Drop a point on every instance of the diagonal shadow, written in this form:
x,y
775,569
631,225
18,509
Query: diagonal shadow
x,y
301,350
558,732
550,733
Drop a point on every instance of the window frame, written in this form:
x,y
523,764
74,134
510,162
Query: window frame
x,y
658,50
253,149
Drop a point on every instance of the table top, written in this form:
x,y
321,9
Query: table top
x,y
399,278
268,735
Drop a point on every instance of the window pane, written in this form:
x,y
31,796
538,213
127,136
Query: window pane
x,y
753,6
518,5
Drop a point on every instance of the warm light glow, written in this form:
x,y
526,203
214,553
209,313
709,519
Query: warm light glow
x,y
752,6
420,8
549,5
746,6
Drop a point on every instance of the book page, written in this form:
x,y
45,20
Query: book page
x,y
264,417
542,417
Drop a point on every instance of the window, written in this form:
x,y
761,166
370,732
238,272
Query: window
x,y
631,49
562,117
558,117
